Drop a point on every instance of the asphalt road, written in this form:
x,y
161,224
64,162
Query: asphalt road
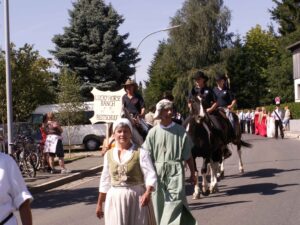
x,y
266,194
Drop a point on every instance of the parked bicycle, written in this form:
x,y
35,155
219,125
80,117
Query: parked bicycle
x,y
24,156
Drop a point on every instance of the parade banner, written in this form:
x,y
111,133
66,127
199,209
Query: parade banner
x,y
107,105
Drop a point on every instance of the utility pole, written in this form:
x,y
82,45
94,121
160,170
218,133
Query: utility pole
x,y
8,76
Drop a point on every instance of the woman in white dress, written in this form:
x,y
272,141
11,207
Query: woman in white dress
x,y
127,180
270,126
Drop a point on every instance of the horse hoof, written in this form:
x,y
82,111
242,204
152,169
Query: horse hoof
x,y
222,175
196,196
205,193
242,171
214,190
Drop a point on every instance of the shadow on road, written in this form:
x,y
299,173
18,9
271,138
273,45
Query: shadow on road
x,y
197,206
60,198
263,173
262,188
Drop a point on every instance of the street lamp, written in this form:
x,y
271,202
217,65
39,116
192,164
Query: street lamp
x,y
166,29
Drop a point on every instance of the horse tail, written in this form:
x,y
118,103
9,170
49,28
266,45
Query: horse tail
x,y
246,144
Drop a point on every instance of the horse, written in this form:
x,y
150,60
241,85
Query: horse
x,y
235,139
140,127
207,144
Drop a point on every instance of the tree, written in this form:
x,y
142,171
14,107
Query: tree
x,y
203,34
196,44
247,68
92,47
31,82
71,111
287,14
162,74
280,69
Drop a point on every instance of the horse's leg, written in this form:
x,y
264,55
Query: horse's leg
x,y
213,177
136,137
205,189
241,165
196,194
221,174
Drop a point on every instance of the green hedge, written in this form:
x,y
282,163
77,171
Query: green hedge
x,y
293,106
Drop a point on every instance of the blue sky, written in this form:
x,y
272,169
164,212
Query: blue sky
x,y
37,21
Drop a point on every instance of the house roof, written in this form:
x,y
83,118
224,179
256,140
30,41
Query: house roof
x,y
294,46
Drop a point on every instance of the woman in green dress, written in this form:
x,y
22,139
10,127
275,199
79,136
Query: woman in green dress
x,y
170,146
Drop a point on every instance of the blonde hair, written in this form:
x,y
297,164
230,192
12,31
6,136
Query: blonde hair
x,y
50,116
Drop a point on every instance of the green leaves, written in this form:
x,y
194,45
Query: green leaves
x,y
31,82
93,48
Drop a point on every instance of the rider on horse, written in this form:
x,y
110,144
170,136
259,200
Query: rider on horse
x,y
201,89
226,101
210,105
134,105
132,101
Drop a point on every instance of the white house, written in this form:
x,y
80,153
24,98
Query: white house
x,y
295,49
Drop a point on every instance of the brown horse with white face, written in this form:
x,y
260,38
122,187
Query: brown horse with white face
x,y
207,145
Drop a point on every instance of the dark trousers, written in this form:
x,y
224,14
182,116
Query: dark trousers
x,y
242,124
248,126
278,124
252,127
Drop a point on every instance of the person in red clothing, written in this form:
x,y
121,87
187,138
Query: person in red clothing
x,y
262,121
256,116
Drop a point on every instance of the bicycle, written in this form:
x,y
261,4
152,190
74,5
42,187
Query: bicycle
x,y
24,157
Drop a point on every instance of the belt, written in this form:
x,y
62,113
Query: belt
x,y
6,219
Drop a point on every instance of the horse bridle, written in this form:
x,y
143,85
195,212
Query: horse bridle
x,y
201,115
201,112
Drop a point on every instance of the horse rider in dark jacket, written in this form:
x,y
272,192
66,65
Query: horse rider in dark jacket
x,y
210,105
226,101
208,97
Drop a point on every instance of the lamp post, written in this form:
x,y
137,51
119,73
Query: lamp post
x,y
8,76
166,29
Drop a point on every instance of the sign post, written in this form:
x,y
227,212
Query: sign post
x,y
107,108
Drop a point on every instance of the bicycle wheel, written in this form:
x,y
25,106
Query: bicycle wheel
x,y
28,166
35,160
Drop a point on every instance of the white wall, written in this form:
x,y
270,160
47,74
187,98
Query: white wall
x,y
297,90
295,125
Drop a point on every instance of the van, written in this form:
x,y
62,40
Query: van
x,y
85,135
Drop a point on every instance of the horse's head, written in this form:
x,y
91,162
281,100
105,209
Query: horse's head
x,y
197,110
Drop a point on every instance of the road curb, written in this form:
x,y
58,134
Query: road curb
x,y
292,135
64,180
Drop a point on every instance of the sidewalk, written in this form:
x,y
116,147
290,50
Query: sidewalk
x,y
292,134
86,166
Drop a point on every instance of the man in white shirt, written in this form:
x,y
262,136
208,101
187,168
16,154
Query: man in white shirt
x,y
241,116
278,114
14,194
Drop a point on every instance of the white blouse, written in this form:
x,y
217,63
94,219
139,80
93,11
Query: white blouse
x,y
13,190
146,165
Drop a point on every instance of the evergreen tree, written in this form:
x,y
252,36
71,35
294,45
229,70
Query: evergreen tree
x,y
287,14
92,47
163,73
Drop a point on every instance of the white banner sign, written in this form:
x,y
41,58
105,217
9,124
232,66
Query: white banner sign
x,y
107,105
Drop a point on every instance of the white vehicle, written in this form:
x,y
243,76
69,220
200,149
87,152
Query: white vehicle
x,y
87,135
